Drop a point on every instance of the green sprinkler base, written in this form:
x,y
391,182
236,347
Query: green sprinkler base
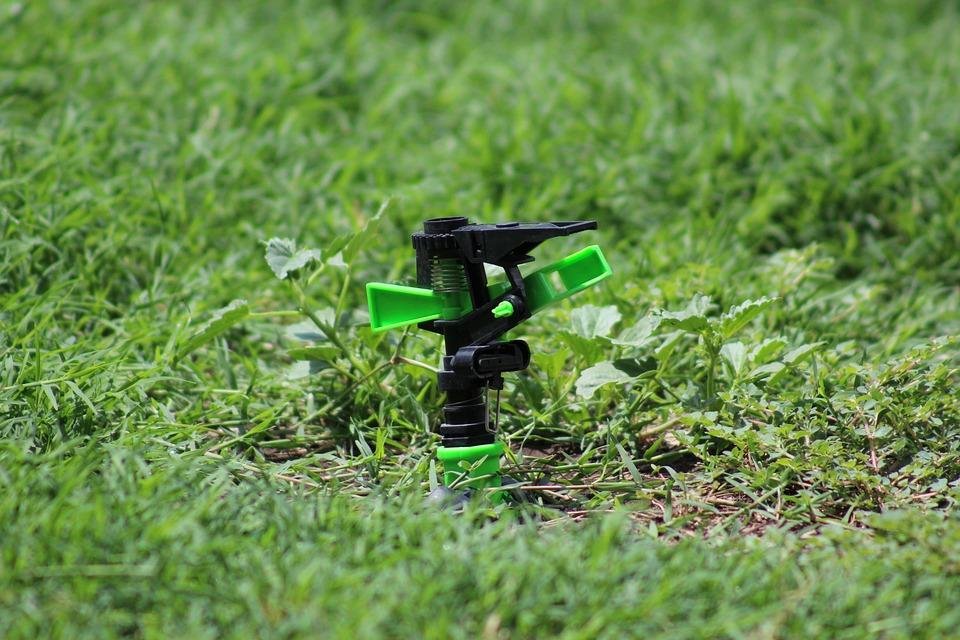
x,y
476,467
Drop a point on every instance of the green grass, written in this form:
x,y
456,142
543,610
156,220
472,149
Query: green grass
x,y
795,474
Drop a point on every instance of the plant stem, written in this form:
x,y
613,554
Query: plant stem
x,y
286,313
711,373
327,330
343,291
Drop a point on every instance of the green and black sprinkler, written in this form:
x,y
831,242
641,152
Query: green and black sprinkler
x,y
454,299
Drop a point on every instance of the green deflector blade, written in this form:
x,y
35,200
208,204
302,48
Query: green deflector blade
x,y
561,279
395,305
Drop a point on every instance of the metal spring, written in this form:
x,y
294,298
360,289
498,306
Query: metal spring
x,y
447,275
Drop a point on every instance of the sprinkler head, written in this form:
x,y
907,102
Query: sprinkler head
x,y
454,299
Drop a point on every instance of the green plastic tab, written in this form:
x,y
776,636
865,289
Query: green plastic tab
x,y
394,305
502,310
476,467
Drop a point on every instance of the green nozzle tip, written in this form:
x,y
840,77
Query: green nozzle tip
x,y
503,310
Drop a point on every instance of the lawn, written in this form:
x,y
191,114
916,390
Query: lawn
x,y
752,430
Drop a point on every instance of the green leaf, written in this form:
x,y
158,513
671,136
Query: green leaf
x,y
336,261
283,257
631,466
336,245
801,353
235,312
553,364
635,367
699,305
304,368
766,350
670,342
586,348
591,322
773,371
684,322
305,330
735,354
598,375
638,335
308,331
692,319
741,315
326,354
365,236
